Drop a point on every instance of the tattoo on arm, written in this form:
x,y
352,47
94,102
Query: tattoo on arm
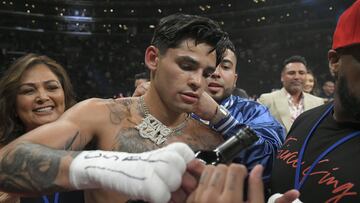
x,y
31,168
70,143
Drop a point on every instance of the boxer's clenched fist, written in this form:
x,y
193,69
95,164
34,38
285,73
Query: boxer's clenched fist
x,y
150,176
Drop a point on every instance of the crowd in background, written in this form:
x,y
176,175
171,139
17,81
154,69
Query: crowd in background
x,y
99,67
102,45
102,67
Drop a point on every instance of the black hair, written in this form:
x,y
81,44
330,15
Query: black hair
x,y
173,29
295,59
229,45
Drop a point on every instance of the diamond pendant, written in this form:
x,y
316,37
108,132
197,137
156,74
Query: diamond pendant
x,y
151,128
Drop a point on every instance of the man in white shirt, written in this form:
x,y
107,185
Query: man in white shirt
x,y
290,101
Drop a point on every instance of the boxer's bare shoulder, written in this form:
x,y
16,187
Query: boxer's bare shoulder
x,y
116,128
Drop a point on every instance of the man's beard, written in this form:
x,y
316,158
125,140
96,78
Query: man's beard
x,y
219,98
350,103
228,91
294,89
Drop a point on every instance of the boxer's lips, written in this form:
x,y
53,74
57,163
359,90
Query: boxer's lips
x,y
189,97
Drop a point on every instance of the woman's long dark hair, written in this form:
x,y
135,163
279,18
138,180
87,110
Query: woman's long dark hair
x,y
10,125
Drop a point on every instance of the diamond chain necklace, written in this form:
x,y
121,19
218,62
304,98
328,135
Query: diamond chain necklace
x,y
151,128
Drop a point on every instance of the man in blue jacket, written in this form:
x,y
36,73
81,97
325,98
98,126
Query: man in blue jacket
x,y
227,114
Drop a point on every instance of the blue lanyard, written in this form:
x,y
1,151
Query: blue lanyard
x,y
56,198
298,184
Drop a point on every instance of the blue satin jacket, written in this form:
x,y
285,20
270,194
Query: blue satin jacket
x,y
271,133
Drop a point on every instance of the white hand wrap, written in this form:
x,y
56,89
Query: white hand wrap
x,y
149,176
275,196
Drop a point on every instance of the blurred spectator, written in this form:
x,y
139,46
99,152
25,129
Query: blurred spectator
x,y
328,90
310,85
141,78
142,84
254,97
141,89
118,95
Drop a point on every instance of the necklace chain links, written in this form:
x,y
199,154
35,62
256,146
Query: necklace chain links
x,y
152,129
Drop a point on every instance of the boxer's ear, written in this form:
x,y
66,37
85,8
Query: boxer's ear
x,y
152,57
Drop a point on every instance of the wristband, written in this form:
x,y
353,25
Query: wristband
x,y
150,176
220,113
275,196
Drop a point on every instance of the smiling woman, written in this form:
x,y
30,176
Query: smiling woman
x,y
40,97
35,90
31,84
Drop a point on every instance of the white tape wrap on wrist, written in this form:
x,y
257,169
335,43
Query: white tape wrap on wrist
x,y
150,176
275,196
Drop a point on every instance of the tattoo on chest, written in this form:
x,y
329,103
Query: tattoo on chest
x,y
127,114
129,140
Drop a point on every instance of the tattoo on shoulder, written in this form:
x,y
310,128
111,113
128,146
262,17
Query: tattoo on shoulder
x,y
119,109
31,168
126,101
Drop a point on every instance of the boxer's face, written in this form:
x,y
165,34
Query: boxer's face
x,y
40,97
180,73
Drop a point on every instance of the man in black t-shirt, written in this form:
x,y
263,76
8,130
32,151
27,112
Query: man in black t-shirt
x,y
335,176
326,139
